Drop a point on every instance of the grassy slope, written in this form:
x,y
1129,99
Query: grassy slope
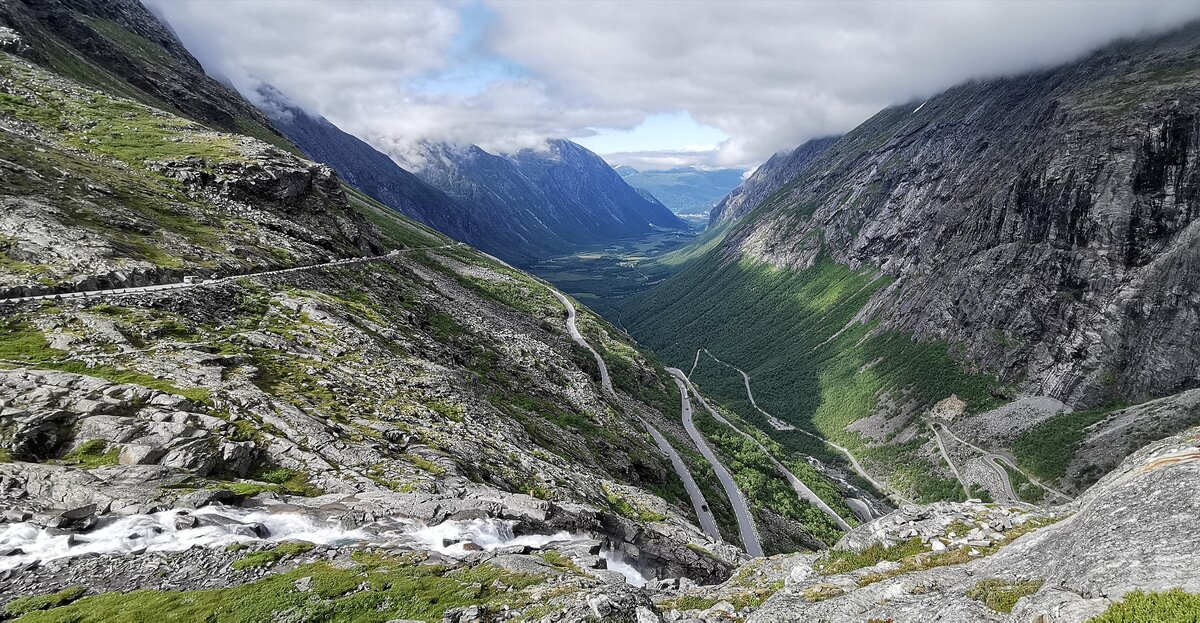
x,y
63,58
1046,449
792,333
395,587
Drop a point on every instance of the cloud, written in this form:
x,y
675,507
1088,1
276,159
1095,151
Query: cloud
x,y
772,74
506,75
700,157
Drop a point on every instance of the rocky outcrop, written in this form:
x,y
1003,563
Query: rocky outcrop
x,y
11,42
1134,530
53,414
110,216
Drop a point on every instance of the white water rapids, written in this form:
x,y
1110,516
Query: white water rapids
x,y
157,532
615,560
162,532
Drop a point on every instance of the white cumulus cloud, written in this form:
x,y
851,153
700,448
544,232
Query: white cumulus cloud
x,y
768,75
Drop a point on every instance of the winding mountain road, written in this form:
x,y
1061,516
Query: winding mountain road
x,y
746,527
775,422
802,491
895,495
708,523
1005,481
953,468
998,462
605,380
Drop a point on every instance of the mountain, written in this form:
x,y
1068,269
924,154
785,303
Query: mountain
x,y
553,200
112,46
239,355
1029,237
769,178
377,175
245,391
687,190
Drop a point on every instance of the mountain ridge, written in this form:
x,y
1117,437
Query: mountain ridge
x,y
554,199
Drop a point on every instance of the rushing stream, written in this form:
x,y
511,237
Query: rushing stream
x,y
178,530
218,526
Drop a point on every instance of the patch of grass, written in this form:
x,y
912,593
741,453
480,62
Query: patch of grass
x,y
269,557
1001,595
757,595
1173,606
557,559
92,454
627,509
21,341
1046,449
287,480
286,377
821,592
425,464
841,561
394,588
689,602
32,603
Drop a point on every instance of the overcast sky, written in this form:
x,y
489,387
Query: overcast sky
x,y
651,84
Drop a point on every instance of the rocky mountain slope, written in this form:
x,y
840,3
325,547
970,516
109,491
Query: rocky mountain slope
x,y
1025,236
973,562
119,47
377,175
346,395
769,178
685,190
551,200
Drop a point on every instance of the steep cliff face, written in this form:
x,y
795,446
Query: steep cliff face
x,y
767,180
542,202
1044,223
